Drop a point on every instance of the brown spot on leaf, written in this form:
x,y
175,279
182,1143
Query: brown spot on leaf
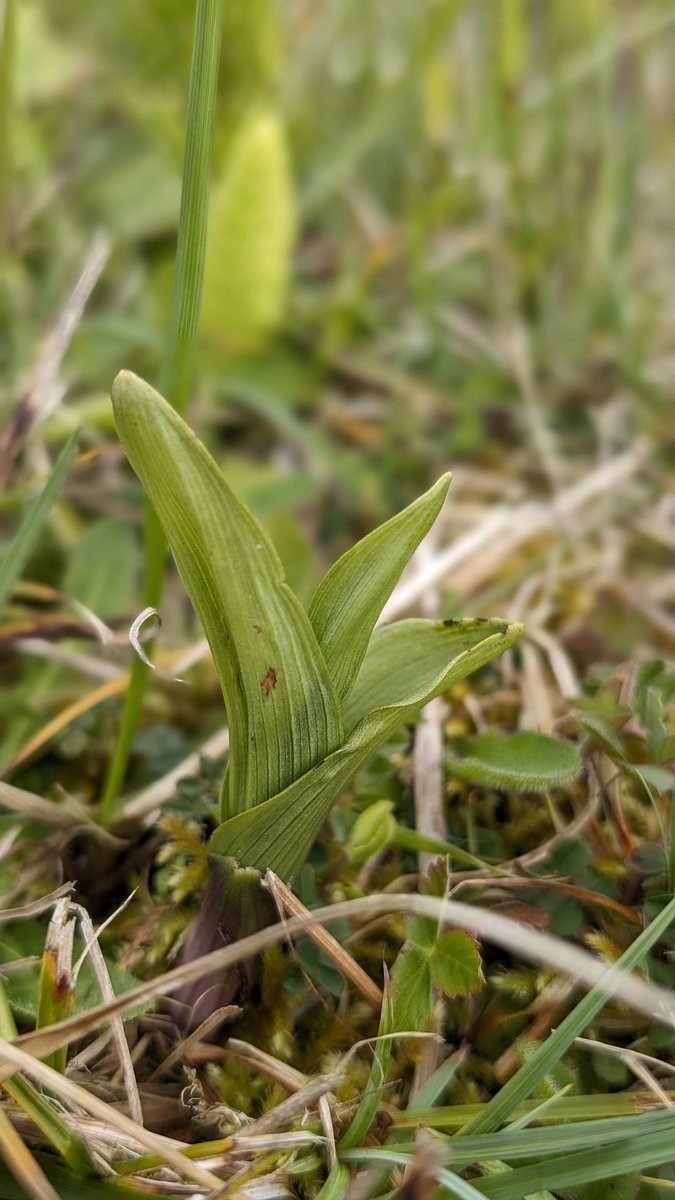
x,y
450,621
258,628
268,681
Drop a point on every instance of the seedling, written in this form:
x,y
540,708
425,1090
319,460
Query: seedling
x,y
309,695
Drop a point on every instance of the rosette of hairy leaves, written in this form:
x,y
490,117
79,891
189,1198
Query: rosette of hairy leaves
x,y
309,696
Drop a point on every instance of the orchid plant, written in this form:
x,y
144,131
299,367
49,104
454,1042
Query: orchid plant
x,y
310,695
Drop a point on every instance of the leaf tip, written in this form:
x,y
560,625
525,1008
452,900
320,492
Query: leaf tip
x,y
126,389
122,382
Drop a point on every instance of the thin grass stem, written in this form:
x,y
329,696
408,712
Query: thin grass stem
x,y
7,57
185,306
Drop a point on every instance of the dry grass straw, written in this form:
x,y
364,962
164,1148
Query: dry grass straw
x,y
288,905
656,1002
21,1163
44,391
72,1093
506,528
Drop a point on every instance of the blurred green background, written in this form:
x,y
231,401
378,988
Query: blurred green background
x,y
450,188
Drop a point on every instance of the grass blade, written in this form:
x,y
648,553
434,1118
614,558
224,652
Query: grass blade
x,y
335,1187
29,530
574,1170
541,1143
22,1164
519,1087
56,989
66,1143
454,1184
185,305
370,1101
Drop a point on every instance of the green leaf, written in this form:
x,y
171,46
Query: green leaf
x,y
372,830
523,761
412,990
352,595
103,570
278,834
65,1141
574,1170
337,1184
620,1187
282,710
404,658
410,839
252,226
423,932
455,964
24,540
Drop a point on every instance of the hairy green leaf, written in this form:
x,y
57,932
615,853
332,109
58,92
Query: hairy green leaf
x,y
278,834
351,596
524,761
282,710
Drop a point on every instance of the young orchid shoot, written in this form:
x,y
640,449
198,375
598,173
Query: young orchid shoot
x,y
310,695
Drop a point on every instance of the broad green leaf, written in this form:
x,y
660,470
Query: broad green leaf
x,y
412,990
351,596
252,227
523,761
279,833
24,540
455,964
282,711
401,658
422,932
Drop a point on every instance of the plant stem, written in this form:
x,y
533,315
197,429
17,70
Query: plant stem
x,y
233,906
7,56
185,305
